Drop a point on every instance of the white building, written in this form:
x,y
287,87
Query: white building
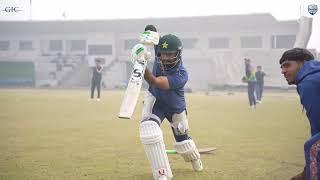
x,y
214,47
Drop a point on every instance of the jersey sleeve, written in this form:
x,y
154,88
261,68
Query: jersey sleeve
x,y
310,99
178,79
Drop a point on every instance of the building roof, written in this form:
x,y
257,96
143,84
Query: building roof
x,y
186,24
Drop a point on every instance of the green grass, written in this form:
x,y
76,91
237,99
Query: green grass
x,y
59,134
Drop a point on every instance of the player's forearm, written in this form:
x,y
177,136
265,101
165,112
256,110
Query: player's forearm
x,y
160,82
149,77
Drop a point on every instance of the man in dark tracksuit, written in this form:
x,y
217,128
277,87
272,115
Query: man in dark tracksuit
x,y
260,83
299,68
96,79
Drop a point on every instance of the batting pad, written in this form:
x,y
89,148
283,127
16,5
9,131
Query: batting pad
x,y
188,150
152,139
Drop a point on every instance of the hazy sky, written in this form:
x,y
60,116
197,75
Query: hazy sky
x,y
99,9
114,9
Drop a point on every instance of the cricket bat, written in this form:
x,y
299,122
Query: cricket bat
x,y
201,151
139,53
131,95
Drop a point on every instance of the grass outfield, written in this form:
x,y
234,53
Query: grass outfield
x,y
59,134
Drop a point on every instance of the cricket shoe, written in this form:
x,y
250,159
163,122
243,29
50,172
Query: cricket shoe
x,y
98,99
197,165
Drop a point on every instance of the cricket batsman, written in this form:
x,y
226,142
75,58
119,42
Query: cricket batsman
x,y
299,68
165,99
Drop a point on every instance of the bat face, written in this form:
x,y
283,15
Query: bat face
x,y
133,90
201,150
207,150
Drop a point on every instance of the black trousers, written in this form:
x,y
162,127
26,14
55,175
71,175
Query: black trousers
x,y
95,83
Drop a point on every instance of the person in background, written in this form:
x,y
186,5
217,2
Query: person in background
x,y
260,83
250,79
96,79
